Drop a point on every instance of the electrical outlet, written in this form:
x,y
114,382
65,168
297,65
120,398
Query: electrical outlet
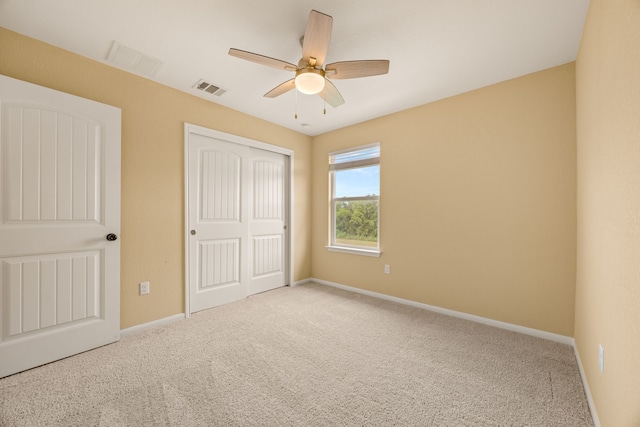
x,y
145,288
601,357
387,269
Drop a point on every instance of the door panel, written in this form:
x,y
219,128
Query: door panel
x,y
220,263
267,255
60,195
51,290
52,165
220,184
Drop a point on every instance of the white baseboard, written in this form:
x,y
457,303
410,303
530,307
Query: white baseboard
x,y
301,282
587,390
150,325
479,319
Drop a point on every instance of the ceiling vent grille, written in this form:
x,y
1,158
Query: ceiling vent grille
x,y
209,88
132,60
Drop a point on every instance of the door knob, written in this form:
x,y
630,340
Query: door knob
x,y
111,237
193,232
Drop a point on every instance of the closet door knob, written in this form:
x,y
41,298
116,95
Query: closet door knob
x,y
111,237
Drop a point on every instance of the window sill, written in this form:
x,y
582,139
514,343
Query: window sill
x,y
355,251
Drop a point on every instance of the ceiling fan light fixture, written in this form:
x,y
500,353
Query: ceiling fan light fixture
x,y
310,81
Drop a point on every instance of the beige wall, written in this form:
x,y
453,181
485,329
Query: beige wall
x,y
478,206
153,166
608,260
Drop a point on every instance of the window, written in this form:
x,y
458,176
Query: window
x,y
355,197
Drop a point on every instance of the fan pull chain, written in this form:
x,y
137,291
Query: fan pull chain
x,y
325,106
296,112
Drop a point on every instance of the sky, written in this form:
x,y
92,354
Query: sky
x,y
358,182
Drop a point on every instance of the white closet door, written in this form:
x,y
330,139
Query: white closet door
x,y
236,213
267,228
218,217
60,195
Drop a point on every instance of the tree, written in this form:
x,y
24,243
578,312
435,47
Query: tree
x,y
357,220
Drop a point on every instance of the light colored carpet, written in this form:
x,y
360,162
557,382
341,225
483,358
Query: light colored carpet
x,y
307,356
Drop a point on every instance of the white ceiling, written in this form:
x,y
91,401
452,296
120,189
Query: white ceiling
x,y
437,48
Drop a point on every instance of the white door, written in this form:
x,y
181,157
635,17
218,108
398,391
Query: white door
x,y
237,216
218,214
267,226
60,198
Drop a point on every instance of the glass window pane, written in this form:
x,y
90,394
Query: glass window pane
x,y
358,182
356,223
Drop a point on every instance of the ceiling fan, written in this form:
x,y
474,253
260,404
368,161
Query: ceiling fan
x,y
311,78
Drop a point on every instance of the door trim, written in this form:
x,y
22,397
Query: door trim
x,y
191,129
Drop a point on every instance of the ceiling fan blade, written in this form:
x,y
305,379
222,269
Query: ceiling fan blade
x,y
316,37
263,60
354,69
281,88
331,95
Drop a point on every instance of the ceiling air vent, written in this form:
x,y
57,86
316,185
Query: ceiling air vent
x,y
208,87
132,60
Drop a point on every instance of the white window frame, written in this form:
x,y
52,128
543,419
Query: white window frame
x,y
333,167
